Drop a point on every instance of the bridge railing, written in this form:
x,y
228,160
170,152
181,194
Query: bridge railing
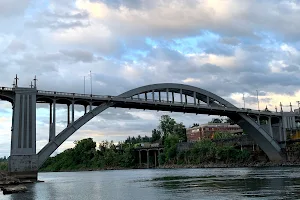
x,y
72,94
6,88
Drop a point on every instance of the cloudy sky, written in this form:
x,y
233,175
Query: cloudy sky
x,y
229,47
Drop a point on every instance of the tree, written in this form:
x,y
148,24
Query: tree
x,y
166,125
216,120
195,125
228,120
180,131
156,135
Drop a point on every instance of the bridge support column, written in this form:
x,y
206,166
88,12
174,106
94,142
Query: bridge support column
x,y
140,158
270,127
68,114
52,120
73,112
91,106
155,158
23,162
148,164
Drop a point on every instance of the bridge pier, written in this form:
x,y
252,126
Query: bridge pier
x,y
23,161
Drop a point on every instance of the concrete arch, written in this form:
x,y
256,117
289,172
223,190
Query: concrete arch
x,y
261,137
6,98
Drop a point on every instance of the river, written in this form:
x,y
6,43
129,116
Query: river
x,y
165,184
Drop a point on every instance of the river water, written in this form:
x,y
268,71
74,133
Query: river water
x,y
165,184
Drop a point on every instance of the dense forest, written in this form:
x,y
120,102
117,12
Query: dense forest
x,y
108,155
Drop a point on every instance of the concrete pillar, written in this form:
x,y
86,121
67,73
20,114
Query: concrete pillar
x,y
154,158
258,120
148,164
53,119
68,114
172,97
23,161
85,106
146,96
270,126
73,112
158,157
153,98
167,92
91,106
159,97
50,121
185,99
140,158
180,95
195,100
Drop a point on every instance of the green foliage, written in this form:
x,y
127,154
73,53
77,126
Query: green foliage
x,y
85,156
156,135
223,135
162,158
3,165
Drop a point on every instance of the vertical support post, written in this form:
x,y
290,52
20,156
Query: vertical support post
x,y
153,98
270,126
154,158
138,96
50,119
146,96
258,121
148,164
195,100
91,106
54,120
185,99
68,114
167,92
159,97
73,111
85,106
172,97
140,158
180,95
50,122
158,157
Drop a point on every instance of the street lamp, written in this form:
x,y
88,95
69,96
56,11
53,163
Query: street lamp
x,y
257,100
91,82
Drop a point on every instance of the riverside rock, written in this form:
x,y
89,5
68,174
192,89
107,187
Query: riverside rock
x,y
14,189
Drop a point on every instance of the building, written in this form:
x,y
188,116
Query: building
x,y
208,130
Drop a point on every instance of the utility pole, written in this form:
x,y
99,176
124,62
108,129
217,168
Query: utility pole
x,y
257,100
91,83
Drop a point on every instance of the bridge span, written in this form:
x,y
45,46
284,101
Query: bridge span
x,y
25,162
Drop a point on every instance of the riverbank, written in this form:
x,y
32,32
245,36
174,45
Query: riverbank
x,y
187,166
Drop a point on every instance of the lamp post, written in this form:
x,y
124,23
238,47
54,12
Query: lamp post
x,y
83,84
244,101
257,100
91,82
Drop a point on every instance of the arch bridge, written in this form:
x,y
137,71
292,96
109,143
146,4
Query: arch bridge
x,y
24,162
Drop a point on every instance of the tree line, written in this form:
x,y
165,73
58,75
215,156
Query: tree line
x,y
86,154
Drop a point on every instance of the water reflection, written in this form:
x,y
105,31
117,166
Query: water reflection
x,y
180,184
